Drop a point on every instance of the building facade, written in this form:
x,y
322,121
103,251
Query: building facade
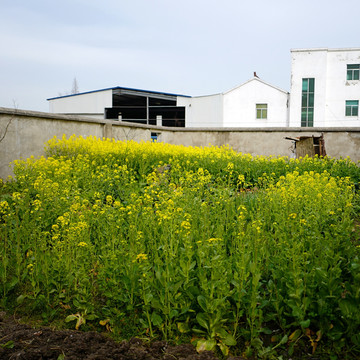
x,y
325,87
324,92
119,103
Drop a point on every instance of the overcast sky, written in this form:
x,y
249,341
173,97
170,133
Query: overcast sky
x,y
190,47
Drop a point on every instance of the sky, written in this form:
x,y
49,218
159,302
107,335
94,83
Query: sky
x,y
189,47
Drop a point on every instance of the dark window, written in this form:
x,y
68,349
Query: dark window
x,y
128,100
307,102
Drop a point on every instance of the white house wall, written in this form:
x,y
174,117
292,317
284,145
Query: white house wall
x,y
89,104
328,67
240,105
339,90
308,64
203,111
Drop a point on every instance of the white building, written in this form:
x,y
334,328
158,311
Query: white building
x,y
325,87
119,103
252,104
325,92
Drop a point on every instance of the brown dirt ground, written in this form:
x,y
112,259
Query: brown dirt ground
x,y
21,341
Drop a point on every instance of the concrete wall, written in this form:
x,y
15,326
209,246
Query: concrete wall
x,y
28,131
240,105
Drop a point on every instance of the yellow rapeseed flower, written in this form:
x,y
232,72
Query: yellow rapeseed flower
x,y
140,257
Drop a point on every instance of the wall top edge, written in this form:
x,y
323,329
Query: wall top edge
x,y
50,116
47,115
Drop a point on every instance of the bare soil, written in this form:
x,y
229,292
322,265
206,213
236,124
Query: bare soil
x,y
21,341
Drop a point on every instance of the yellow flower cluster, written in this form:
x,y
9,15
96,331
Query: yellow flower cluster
x,y
140,257
147,217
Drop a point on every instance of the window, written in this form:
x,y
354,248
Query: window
x,y
353,72
261,111
307,102
352,108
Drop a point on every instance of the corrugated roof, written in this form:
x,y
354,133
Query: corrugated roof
x,y
120,88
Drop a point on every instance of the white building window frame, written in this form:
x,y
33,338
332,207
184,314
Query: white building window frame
x,y
351,108
353,72
261,111
307,102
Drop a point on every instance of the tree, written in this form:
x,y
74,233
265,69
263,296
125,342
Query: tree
x,y
75,87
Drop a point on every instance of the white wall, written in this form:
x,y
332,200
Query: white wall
x,y
328,67
240,105
89,104
339,89
203,111
308,64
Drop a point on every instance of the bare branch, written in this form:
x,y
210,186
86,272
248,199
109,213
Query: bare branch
x,y
8,124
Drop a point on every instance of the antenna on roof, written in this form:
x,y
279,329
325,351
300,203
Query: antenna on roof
x,y
256,75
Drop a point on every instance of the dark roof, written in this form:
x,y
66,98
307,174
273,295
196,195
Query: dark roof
x,y
120,88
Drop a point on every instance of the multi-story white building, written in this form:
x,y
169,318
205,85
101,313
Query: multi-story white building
x,y
325,92
325,87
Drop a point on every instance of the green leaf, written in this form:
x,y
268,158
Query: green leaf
x,y
91,317
295,335
20,299
224,349
356,339
71,318
266,331
229,340
173,313
148,297
12,283
192,292
347,308
203,345
202,320
202,302
156,319
9,345
305,324
285,338
183,327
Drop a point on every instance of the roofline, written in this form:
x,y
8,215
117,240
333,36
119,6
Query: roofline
x,y
325,49
257,79
120,88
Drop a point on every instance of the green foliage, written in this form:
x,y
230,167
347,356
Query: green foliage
x,y
240,253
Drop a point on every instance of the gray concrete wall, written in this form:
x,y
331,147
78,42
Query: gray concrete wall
x,y
28,131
